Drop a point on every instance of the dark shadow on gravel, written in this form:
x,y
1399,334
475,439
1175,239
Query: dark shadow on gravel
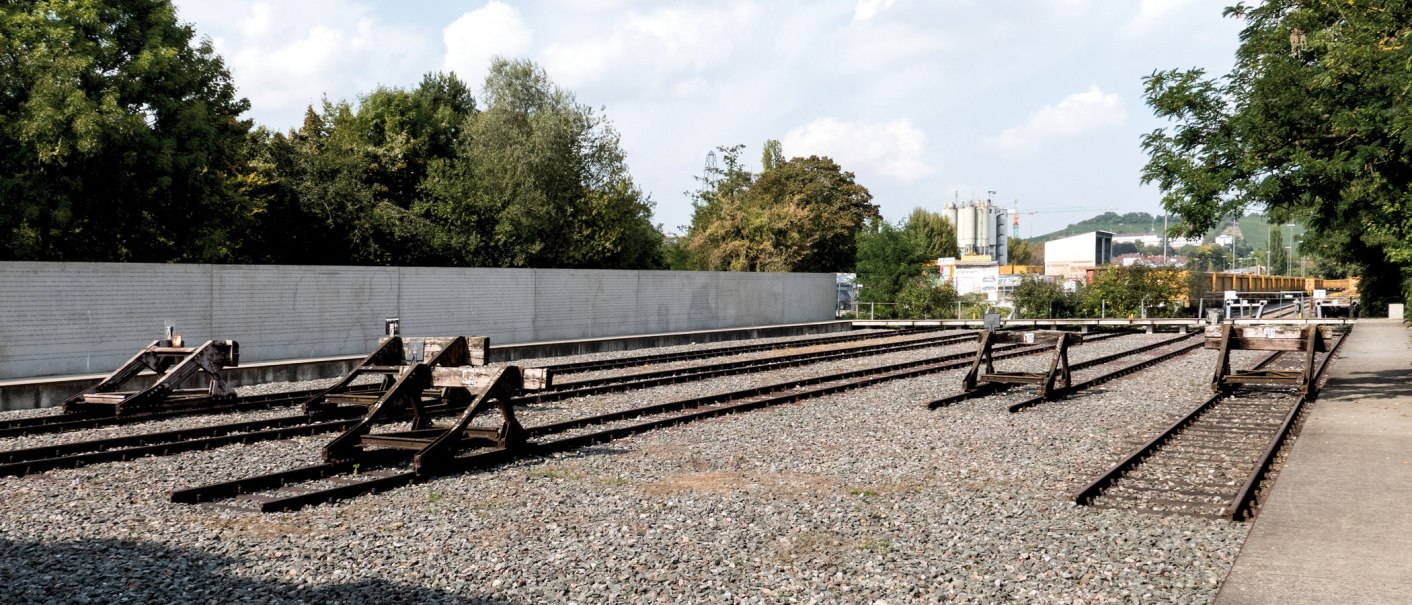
x,y
115,571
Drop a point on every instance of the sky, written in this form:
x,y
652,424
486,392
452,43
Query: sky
x,y
925,101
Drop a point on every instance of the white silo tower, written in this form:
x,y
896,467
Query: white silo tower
x,y
948,211
966,228
985,227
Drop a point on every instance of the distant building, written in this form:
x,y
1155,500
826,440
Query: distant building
x,y
1156,240
847,289
981,229
1071,257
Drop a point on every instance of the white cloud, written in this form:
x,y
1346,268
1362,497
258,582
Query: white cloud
x,y
1152,13
867,9
1074,115
286,55
667,47
476,37
893,149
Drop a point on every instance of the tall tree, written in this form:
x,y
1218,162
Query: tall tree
x,y
932,235
802,215
1279,257
887,260
1311,122
119,134
771,155
539,180
1024,252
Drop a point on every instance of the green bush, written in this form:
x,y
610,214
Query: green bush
x,y
919,299
1036,298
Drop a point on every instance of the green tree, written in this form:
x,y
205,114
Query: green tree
x,y
932,235
887,260
1024,252
920,298
771,155
801,215
1125,291
538,180
119,136
1310,123
1279,257
1035,297
1208,257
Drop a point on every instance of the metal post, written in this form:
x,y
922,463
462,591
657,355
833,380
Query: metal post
x,y
1103,308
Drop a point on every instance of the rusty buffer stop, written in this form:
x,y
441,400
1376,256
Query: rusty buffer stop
x,y
982,376
1226,338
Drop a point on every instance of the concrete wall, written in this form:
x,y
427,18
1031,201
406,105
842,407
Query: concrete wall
x,y
71,318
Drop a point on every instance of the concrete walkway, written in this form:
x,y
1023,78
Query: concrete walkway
x,y
1337,528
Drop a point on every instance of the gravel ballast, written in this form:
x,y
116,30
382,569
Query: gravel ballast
x,y
861,497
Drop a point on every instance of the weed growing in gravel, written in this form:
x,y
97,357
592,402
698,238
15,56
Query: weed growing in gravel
x,y
865,493
871,545
435,497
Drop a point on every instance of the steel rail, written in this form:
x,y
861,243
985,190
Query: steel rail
x,y
735,368
987,389
1242,507
637,360
60,423
21,462
702,407
1241,499
645,380
167,448
1107,376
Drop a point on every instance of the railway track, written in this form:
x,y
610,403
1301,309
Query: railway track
x,y
160,443
380,469
1174,347
639,360
1213,461
642,380
61,423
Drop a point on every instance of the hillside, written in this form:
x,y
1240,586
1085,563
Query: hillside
x,y
1132,222
1252,227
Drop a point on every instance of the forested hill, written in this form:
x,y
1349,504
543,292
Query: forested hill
x,y
1132,222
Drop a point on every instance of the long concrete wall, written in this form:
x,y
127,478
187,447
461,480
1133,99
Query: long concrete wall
x,y
70,318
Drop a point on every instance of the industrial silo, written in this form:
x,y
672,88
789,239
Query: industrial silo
x,y
948,211
966,228
985,226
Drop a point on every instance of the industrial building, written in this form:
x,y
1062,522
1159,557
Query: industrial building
x,y
1070,257
981,229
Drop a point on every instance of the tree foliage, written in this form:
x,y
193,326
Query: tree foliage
x,y
1024,252
921,298
1035,297
887,259
121,140
897,264
801,214
1312,123
1126,291
538,180
931,234
119,136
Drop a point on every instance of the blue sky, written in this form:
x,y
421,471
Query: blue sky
x,y
1039,101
